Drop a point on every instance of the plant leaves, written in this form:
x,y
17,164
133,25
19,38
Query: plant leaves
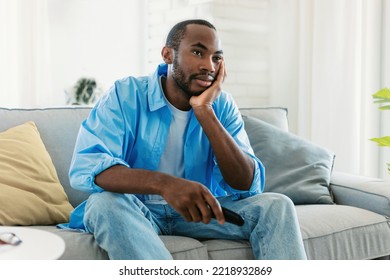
x,y
387,107
382,96
382,141
381,101
382,93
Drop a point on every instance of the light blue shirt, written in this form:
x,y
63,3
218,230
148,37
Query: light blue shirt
x,y
130,125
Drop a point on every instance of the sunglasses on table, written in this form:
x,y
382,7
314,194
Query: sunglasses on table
x,y
9,238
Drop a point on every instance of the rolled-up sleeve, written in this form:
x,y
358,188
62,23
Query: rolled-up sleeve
x,y
257,186
99,145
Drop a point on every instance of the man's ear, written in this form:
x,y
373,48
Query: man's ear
x,y
167,55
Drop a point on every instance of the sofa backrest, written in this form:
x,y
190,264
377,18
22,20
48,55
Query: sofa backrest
x,y
58,128
276,116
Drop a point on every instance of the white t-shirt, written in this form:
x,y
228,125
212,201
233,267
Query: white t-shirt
x,y
172,160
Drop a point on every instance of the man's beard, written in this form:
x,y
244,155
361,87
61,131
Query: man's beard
x,y
180,80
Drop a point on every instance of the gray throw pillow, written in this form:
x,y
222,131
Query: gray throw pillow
x,y
293,166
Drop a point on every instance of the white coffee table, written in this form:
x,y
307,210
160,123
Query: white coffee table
x,y
36,245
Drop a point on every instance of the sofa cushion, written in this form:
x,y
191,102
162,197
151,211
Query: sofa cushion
x,y
184,248
222,249
58,128
340,232
293,166
30,191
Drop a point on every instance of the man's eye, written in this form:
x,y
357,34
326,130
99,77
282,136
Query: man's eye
x,y
217,58
198,53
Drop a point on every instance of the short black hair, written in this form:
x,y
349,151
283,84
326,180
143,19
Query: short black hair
x,y
178,30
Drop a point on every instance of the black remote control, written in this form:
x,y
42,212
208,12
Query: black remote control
x,y
232,217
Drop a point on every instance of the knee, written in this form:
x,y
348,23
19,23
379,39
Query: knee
x,y
107,207
280,205
273,204
272,198
280,199
103,200
108,203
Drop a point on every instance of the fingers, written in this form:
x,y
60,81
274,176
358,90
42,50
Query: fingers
x,y
203,210
194,202
217,86
222,72
189,212
196,215
216,210
204,213
210,208
220,76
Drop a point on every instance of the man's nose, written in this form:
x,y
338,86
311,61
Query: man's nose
x,y
208,65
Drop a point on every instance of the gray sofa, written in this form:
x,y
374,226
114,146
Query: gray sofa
x,y
355,225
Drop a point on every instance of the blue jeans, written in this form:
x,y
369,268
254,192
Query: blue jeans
x,y
129,229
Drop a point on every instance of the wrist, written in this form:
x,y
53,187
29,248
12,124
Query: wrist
x,y
161,183
203,110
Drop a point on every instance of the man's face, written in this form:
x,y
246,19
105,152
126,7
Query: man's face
x,y
196,62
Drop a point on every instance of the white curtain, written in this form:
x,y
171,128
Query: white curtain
x,y
385,116
24,54
327,62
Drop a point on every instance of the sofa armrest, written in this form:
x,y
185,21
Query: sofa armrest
x,y
364,192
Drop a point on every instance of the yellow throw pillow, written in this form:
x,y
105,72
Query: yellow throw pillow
x,y
30,191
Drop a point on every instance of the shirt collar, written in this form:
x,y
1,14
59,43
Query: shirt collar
x,y
156,98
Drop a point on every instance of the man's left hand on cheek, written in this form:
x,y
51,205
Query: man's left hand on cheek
x,y
208,97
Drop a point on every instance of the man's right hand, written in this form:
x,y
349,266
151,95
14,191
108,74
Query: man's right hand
x,y
192,200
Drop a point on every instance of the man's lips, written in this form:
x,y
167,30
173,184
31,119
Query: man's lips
x,y
204,80
203,83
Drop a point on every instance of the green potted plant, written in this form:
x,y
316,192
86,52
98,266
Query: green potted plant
x,y
84,92
383,97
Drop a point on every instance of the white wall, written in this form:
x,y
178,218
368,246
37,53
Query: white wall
x,y
101,39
